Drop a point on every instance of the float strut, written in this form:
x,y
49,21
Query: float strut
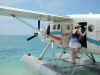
x,y
44,51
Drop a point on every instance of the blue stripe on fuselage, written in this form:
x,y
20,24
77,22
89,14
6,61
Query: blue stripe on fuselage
x,y
56,33
93,41
88,38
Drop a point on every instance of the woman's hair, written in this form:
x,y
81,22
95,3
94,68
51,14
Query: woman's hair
x,y
77,27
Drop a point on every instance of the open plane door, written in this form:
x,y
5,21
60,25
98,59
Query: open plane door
x,y
83,41
66,34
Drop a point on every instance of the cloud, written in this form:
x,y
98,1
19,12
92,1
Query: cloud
x,y
10,2
50,4
9,25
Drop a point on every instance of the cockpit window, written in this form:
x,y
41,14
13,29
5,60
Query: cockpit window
x,y
68,27
58,26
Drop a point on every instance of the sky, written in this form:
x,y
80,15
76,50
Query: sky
x,y
10,26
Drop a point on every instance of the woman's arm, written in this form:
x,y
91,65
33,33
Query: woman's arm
x,y
82,34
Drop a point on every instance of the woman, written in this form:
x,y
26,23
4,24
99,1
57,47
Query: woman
x,y
75,42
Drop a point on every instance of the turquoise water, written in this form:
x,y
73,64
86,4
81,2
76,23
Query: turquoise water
x,y
12,48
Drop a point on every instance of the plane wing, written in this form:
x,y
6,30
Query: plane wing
x,y
8,11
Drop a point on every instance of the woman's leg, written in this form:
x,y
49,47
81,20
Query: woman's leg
x,y
78,51
73,55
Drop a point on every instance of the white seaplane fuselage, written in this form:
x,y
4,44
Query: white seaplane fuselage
x,y
57,29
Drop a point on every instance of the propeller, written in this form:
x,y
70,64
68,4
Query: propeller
x,y
38,24
30,38
35,34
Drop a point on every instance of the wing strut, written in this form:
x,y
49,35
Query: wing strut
x,y
23,21
33,27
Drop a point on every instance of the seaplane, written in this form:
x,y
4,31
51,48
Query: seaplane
x,y
57,33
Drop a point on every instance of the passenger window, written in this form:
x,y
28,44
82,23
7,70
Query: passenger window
x,y
91,28
54,27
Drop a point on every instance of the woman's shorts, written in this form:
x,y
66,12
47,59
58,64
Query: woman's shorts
x,y
74,44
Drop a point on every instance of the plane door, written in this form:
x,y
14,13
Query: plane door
x,y
66,34
83,40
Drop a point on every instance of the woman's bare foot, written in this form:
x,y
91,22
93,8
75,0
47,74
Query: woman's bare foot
x,y
77,57
73,62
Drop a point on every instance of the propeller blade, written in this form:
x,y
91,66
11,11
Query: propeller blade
x,y
30,38
39,24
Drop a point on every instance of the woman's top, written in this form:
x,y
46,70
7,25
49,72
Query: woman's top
x,y
75,36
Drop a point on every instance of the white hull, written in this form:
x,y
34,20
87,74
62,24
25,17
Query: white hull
x,y
41,66
68,58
